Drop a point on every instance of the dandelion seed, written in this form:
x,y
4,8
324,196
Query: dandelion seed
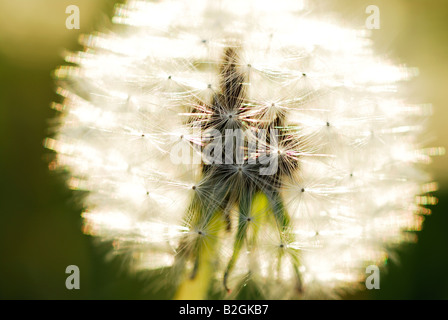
x,y
297,161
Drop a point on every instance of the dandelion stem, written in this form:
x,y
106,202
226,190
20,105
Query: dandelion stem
x,y
196,284
196,288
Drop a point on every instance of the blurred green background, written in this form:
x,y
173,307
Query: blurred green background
x,y
40,223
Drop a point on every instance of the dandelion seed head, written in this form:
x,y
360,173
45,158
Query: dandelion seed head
x,y
143,105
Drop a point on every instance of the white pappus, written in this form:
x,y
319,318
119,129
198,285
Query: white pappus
x,y
348,183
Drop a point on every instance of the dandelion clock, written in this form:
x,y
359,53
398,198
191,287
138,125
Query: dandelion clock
x,y
235,142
